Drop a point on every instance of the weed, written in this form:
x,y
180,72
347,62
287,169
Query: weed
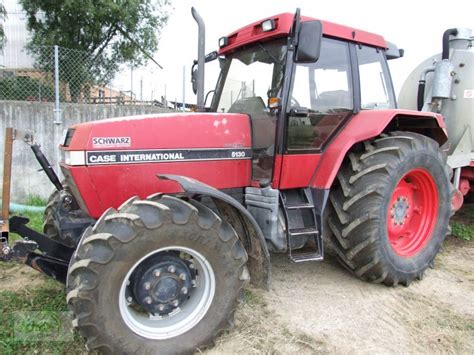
x,y
462,231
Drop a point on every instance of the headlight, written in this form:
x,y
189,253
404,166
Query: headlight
x,y
223,41
74,157
68,137
268,25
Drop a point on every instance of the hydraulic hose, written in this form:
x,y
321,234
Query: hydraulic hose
x,y
420,100
18,207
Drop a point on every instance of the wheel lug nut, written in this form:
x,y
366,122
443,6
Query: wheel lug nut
x,y
129,299
184,290
172,269
193,282
157,273
147,285
175,303
398,199
148,300
182,276
191,266
161,308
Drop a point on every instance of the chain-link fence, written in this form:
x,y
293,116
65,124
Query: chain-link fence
x,y
62,75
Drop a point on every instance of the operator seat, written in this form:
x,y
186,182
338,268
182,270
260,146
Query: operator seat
x,y
337,99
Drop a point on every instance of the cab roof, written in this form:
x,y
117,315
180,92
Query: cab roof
x,y
283,23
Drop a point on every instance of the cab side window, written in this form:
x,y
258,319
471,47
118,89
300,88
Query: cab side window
x,y
375,84
321,97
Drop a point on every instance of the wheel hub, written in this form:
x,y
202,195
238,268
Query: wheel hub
x,y
162,284
400,210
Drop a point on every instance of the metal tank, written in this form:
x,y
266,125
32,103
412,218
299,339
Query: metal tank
x,y
444,83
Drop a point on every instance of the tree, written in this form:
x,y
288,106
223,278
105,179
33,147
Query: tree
x,y
99,35
3,16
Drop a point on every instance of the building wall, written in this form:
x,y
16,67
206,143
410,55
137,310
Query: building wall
x,y
39,117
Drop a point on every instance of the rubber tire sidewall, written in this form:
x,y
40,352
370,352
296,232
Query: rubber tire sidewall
x,y
106,296
424,257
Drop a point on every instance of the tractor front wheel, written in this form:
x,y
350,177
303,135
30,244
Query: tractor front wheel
x,y
161,275
390,213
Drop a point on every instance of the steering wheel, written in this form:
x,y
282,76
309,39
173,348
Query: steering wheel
x,y
294,102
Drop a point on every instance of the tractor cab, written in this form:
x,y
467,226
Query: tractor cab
x,y
309,98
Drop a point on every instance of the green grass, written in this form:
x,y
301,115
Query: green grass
x,y
36,321
34,200
462,223
462,231
36,222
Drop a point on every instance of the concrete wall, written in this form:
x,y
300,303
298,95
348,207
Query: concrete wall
x,y
39,117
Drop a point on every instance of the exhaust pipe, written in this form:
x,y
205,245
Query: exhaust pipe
x,y
201,50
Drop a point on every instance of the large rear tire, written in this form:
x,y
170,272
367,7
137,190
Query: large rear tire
x,y
390,212
161,275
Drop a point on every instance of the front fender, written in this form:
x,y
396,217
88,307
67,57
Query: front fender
x,y
243,222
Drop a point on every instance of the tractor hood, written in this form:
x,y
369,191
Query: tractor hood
x,y
109,161
161,137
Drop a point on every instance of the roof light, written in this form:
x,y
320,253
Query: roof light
x,y
223,41
268,25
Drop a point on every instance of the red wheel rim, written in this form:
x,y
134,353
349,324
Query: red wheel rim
x,y
412,213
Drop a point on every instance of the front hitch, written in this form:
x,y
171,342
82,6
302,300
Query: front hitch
x,y
53,259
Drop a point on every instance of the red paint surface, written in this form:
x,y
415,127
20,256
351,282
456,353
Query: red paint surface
x,y
104,186
283,23
362,126
168,131
467,174
107,186
297,170
411,227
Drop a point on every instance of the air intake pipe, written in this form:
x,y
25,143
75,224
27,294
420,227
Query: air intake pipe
x,y
446,35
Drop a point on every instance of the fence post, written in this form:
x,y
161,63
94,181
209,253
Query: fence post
x,y
57,110
184,89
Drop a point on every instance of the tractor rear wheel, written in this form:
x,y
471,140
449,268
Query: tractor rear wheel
x,y
161,275
390,213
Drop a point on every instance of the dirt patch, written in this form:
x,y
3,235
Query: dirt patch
x,y
17,277
319,307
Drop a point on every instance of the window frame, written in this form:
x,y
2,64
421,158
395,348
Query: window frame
x,y
356,99
387,77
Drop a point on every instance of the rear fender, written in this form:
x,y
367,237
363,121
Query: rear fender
x,y
367,125
241,220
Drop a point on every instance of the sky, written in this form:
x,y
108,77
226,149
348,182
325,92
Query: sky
x,y
415,26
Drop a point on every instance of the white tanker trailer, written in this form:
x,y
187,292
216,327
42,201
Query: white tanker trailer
x,y
444,83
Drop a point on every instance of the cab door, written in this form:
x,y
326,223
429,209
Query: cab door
x,y
320,101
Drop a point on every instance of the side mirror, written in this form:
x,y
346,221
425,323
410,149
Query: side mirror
x,y
210,57
194,73
309,42
194,70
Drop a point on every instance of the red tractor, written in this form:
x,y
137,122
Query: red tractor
x,y
162,219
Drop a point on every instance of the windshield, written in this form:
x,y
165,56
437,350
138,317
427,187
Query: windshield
x,y
250,77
